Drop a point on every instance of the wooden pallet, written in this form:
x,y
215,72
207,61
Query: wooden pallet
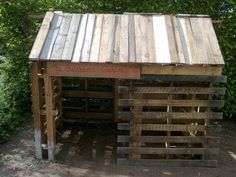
x,y
88,99
168,123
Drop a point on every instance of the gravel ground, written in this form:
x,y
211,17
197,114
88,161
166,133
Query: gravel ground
x,y
17,158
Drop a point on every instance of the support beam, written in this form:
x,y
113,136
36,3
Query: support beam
x,y
48,82
36,109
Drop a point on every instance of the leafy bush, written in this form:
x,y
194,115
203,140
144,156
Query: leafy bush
x,y
18,31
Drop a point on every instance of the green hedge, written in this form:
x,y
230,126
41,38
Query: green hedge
x,y
18,31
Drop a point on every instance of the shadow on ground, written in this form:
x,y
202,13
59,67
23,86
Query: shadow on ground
x,y
88,152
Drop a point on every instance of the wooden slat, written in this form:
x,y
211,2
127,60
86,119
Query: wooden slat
x,y
111,39
116,50
171,115
170,139
71,37
175,103
87,115
187,78
131,34
178,40
138,38
216,52
168,163
94,54
206,43
80,39
151,42
42,35
87,94
124,42
165,127
88,38
182,70
145,150
59,44
143,25
108,24
196,57
171,39
51,37
161,40
184,40
173,90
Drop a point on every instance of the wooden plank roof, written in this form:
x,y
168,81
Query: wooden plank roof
x,y
127,38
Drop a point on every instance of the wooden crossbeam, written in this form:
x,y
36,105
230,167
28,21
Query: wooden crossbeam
x,y
175,103
172,115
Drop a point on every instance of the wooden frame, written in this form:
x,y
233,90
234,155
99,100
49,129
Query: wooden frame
x,y
51,72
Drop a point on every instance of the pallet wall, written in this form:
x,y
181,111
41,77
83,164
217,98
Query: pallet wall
x,y
43,127
170,121
88,100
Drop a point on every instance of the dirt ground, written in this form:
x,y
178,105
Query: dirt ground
x,y
78,155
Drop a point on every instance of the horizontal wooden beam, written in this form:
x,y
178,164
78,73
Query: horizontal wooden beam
x,y
169,115
182,70
170,139
94,70
172,90
167,127
185,78
168,163
174,103
176,151
88,115
87,94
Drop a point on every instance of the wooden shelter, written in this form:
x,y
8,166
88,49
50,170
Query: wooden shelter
x,y
161,70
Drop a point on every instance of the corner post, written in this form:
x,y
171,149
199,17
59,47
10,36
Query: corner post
x,y
36,109
51,132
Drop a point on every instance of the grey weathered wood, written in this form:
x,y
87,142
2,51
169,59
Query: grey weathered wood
x,y
171,39
171,115
80,39
175,103
132,49
95,48
170,139
116,49
51,37
105,49
41,36
112,39
123,46
88,38
169,127
197,36
147,150
192,78
168,163
71,37
216,52
184,40
172,90
59,44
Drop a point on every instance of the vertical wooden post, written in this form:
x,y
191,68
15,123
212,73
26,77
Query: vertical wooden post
x,y
168,120
60,109
116,97
51,132
36,109
134,130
